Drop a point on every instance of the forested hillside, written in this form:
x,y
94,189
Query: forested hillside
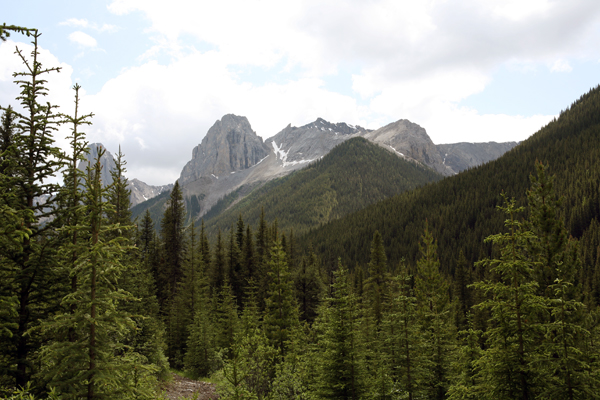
x,y
353,175
461,210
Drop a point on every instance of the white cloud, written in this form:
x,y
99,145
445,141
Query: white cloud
x,y
75,22
83,39
59,84
84,23
561,66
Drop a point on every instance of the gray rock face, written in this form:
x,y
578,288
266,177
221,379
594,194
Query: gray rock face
x,y
299,146
106,161
461,156
141,191
230,145
410,141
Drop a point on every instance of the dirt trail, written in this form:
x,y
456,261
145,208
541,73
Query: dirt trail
x,y
184,388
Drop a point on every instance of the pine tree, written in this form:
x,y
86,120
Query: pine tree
x,y
234,261
339,358
309,288
432,292
172,233
514,335
402,322
119,193
200,357
564,357
97,364
375,285
281,312
186,301
466,382
29,161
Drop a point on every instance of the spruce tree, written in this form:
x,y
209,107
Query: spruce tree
x,y
514,337
172,234
281,314
432,292
339,357
29,162
376,283
97,364
406,343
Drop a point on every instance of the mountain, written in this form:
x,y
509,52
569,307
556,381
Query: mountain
x,y
462,156
106,161
299,146
230,145
461,210
351,176
232,160
409,140
140,191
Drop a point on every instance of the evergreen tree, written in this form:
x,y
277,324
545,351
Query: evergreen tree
x,y
514,335
309,288
218,274
338,358
29,161
226,323
200,357
375,285
432,292
119,194
281,311
172,232
186,301
412,368
234,261
97,364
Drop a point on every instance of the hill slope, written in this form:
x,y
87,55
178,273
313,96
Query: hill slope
x,y
353,175
461,210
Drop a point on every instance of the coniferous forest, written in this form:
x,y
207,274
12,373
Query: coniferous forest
x,y
485,285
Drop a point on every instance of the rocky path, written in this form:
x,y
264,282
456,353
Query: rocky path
x,y
184,388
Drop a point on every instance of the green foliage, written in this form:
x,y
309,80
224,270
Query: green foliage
x,y
281,314
95,364
28,263
461,209
339,358
514,335
353,175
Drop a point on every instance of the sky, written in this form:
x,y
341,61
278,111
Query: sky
x,y
158,74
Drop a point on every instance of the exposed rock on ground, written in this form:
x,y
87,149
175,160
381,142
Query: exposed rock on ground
x,y
184,388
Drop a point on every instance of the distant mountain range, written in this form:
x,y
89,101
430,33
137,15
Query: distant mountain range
x,y
232,157
140,191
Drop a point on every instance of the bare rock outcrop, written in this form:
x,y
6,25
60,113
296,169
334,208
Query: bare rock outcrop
x,y
230,145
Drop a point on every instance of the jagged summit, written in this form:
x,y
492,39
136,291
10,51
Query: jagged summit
x,y
294,146
230,145
107,161
410,140
340,128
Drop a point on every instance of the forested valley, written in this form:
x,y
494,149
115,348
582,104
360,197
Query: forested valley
x,y
485,285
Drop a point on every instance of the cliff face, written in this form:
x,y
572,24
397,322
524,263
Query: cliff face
x,y
461,156
107,161
230,145
299,146
411,141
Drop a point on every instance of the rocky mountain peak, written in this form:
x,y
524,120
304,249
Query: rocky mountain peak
x,y
297,146
106,161
340,128
409,140
229,145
